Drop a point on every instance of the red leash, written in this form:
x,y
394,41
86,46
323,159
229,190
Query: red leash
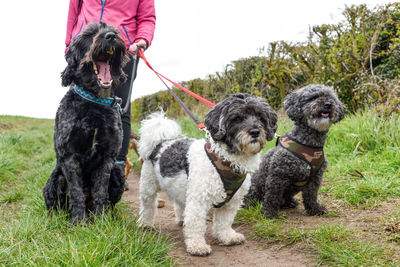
x,y
160,76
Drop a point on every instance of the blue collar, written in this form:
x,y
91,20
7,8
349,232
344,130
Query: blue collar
x,y
114,102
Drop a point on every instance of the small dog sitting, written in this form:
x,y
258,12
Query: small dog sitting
x,y
186,168
297,163
87,131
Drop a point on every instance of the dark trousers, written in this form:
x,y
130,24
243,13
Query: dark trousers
x,y
122,91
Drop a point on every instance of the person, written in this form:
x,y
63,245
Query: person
x,y
135,20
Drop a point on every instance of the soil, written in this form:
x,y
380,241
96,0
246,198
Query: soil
x,y
251,253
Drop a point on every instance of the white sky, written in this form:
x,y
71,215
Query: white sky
x,y
193,38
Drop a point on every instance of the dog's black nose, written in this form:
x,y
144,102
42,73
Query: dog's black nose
x,y
327,105
254,132
110,36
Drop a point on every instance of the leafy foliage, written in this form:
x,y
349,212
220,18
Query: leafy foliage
x,y
359,57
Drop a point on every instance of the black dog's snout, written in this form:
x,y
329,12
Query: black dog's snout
x,y
254,132
110,36
327,105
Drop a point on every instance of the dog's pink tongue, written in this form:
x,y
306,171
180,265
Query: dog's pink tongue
x,y
104,72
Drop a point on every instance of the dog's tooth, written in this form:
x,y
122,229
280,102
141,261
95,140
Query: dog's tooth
x,y
95,68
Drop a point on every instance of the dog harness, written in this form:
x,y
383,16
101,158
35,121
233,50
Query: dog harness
x,y
231,179
314,156
114,102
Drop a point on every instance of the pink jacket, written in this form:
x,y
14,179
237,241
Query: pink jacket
x,y
135,19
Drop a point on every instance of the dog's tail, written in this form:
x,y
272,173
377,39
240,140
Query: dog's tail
x,y
154,130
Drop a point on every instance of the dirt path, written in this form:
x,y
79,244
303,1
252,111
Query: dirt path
x,y
251,253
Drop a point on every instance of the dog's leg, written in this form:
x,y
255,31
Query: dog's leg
x,y
275,186
310,196
195,226
288,201
222,223
178,213
73,174
256,191
148,194
116,184
100,180
55,191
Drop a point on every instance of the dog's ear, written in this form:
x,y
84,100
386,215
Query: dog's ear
x,y
215,121
293,107
73,58
270,118
68,75
339,110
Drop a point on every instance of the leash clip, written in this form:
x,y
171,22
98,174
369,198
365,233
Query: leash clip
x,y
117,104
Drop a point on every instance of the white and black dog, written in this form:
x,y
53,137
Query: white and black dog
x,y
199,175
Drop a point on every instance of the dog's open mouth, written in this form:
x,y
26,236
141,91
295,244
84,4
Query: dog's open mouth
x,y
102,69
324,114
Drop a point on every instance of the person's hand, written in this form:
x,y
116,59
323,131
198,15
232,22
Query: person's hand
x,y
138,43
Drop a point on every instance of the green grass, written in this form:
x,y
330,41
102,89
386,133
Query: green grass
x,y
364,156
363,173
29,236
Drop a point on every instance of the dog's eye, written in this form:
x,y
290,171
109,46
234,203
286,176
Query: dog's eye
x,y
312,98
237,119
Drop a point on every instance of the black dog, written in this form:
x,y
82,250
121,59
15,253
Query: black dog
x,y
87,131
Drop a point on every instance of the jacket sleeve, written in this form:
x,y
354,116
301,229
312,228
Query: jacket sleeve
x,y
146,21
72,13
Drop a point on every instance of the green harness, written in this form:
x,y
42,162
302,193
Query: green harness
x,y
230,179
314,156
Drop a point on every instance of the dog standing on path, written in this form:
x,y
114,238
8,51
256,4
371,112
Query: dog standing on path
x,y
297,163
199,175
87,131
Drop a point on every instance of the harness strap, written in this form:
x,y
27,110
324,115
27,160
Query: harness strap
x,y
313,156
231,180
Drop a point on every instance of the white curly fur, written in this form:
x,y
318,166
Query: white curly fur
x,y
150,138
193,194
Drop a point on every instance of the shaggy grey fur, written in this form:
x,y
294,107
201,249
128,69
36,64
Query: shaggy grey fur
x,y
88,136
240,117
273,183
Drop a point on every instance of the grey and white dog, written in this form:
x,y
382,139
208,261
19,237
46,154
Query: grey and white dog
x,y
239,127
297,163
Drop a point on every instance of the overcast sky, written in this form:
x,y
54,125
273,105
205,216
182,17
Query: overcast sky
x,y
192,39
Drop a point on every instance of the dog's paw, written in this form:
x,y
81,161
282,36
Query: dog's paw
x,y
317,210
269,212
197,248
289,204
248,203
231,238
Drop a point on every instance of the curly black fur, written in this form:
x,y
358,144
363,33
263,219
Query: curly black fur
x,y
274,182
88,136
